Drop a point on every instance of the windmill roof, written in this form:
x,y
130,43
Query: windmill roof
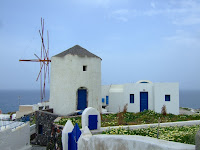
x,y
76,50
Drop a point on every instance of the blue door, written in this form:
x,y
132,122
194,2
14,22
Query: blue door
x,y
82,99
143,101
73,138
92,122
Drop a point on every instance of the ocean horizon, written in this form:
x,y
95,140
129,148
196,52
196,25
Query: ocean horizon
x,y
11,99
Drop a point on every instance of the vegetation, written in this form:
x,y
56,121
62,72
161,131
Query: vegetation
x,y
164,110
32,119
74,120
127,118
189,109
184,134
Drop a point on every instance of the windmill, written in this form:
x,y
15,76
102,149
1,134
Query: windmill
x,y
44,61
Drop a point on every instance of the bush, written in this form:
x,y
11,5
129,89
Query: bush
x,y
125,108
164,110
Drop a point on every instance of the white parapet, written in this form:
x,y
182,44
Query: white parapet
x,y
12,138
129,142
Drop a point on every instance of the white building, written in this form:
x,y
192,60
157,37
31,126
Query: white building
x,y
141,95
76,85
75,81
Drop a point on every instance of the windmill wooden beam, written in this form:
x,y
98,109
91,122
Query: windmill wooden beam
x,y
44,61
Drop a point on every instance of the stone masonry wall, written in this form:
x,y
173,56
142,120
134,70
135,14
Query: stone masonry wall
x,y
44,126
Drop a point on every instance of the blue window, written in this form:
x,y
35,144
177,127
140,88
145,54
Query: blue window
x,y
167,97
107,100
131,98
103,100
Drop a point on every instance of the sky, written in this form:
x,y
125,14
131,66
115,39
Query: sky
x,y
154,40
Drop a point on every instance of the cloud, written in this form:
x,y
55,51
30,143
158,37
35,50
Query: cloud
x,y
184,39
187,20
153,5
101,3
184,12
121,14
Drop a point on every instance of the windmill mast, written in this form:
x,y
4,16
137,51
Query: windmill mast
x,y
44,61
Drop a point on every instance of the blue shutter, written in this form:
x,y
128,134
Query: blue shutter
x,y
107,100
131,98
103,100
167,97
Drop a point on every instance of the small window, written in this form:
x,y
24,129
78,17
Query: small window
x,y
103,100
40,129
167,97
107,100
131,98
84,68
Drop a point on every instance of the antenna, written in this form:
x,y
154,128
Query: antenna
x,y
44,61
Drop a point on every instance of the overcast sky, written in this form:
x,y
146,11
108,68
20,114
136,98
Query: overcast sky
x,y
154,40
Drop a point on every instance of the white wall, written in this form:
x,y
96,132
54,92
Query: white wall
x,y
162,89
14,139
128,142
116,102
136,88
67,76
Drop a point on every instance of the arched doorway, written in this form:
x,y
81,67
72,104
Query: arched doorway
x,y
82,98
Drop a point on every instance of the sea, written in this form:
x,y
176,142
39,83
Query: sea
x,y
11,99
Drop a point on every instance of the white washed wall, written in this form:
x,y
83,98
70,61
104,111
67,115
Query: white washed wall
x,y
128,142
14,139
67,76
116,102
162,89
136,88
156,96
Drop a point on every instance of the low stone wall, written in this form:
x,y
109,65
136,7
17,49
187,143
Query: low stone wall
x,y
128,142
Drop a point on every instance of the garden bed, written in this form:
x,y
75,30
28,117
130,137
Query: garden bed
x,y
183,134
127,118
